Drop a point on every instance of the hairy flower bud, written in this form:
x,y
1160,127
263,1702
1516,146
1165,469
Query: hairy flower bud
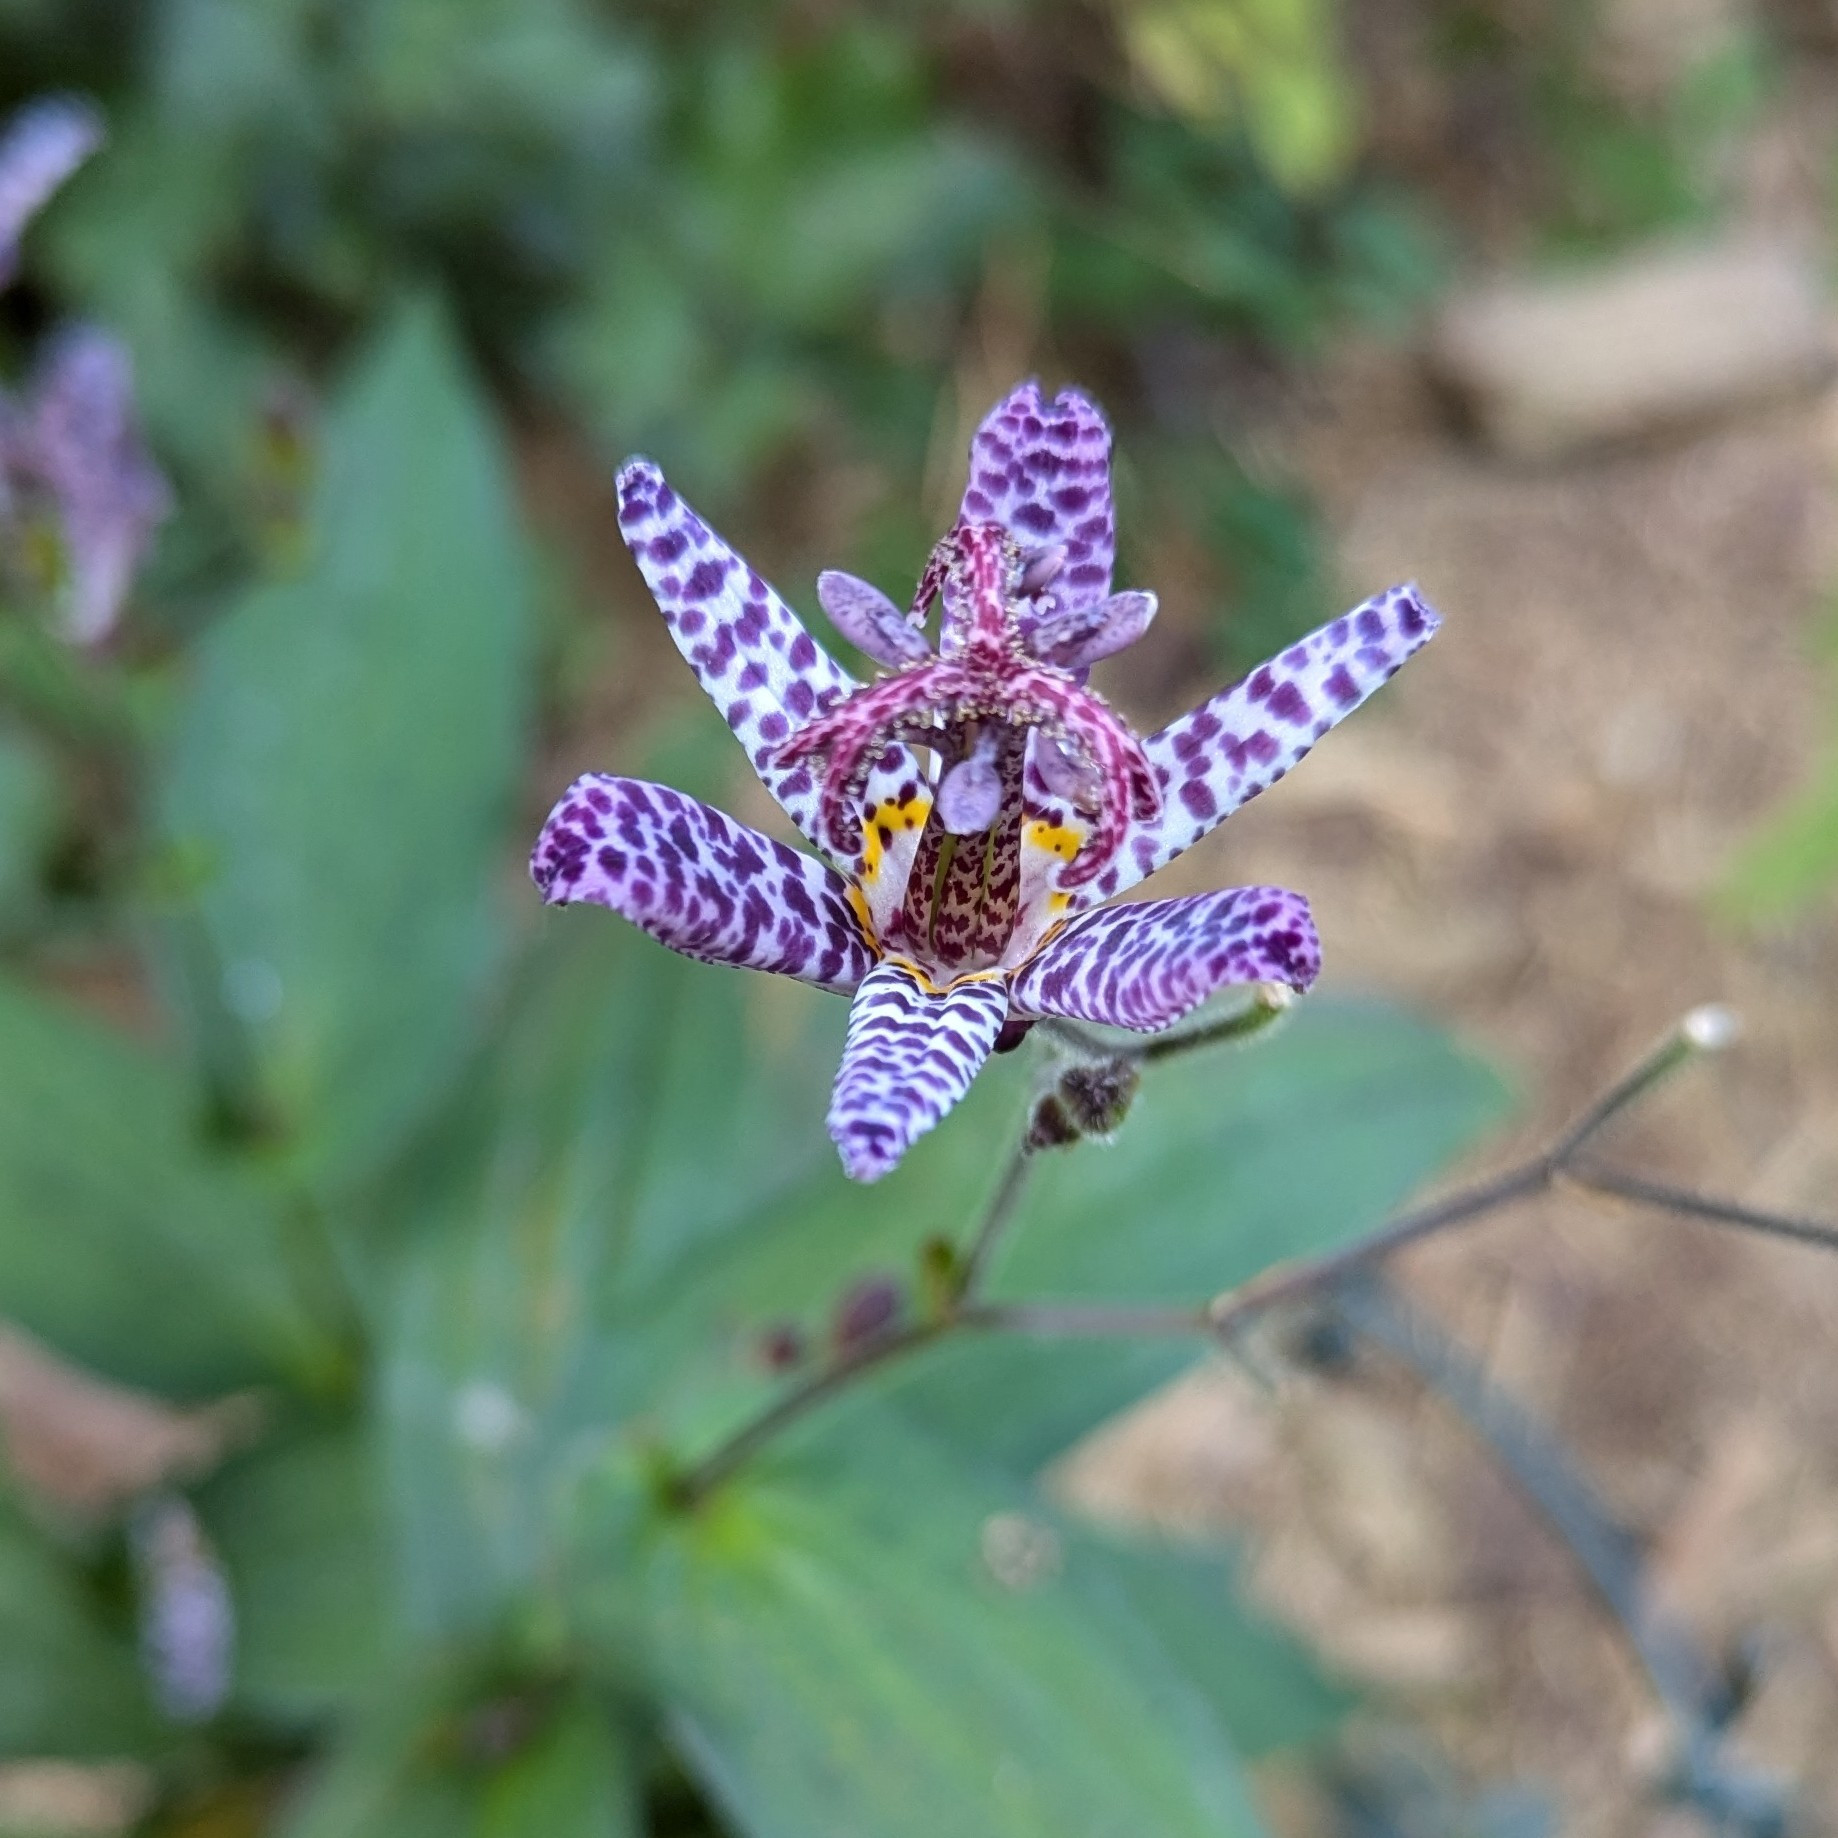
x,y
1098,1097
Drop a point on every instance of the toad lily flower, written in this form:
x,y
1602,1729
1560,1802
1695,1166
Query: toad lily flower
x,y
978,801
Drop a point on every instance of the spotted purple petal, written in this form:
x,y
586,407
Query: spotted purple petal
x,y
909,1057
761,668
1078,636
43,144
1146,965
699,882
869,620
1227,750
1043,473
81,445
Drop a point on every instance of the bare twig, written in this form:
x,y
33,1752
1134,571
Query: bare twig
x,y
997,1217
1708,1028
1683,1200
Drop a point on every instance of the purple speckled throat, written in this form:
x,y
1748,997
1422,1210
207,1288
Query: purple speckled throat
x,y
977,801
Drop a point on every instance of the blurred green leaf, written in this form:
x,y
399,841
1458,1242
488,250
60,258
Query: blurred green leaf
x,y
303,1536
122,1242
349,756
420,1762
31,805
1272,67
67,1688
1794,857
641,1106
1793,860
878,1643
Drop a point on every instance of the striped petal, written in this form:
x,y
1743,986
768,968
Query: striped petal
x,y
1241,742
750,651
1146,965
1043,472
910,1056
699,882
43,144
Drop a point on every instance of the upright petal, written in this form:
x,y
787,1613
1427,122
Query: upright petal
x,y
699,882
43,144
761,668
1043,473
1241,742
910,1056
1146,965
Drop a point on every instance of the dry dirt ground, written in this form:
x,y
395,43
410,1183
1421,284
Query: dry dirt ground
x,y
1524,839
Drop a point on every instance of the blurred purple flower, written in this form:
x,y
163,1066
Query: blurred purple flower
x,y
73,451
40,147
187,1619
978,801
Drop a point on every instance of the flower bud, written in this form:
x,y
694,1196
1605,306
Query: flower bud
x,y
1097,1097
865,1311
1051,1127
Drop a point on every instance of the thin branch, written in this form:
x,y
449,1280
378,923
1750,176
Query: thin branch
x,y
1290,1282
1086,1320
693,1485
997,1217
1643,1192
1709,1028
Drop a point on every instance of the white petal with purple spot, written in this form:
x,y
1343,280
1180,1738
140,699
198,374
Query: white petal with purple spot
x,y
1042,471
1220,756
1144,966
761,668
699,882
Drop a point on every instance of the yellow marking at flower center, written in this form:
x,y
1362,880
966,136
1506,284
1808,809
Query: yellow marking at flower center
x,y
1054,838
930,983
858,904
888,819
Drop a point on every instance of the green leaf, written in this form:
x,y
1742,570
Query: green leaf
x,y
67,1687
303,1537
348,760
876,1645
1795,858
639,1106
31,804
422,1762
122,1242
